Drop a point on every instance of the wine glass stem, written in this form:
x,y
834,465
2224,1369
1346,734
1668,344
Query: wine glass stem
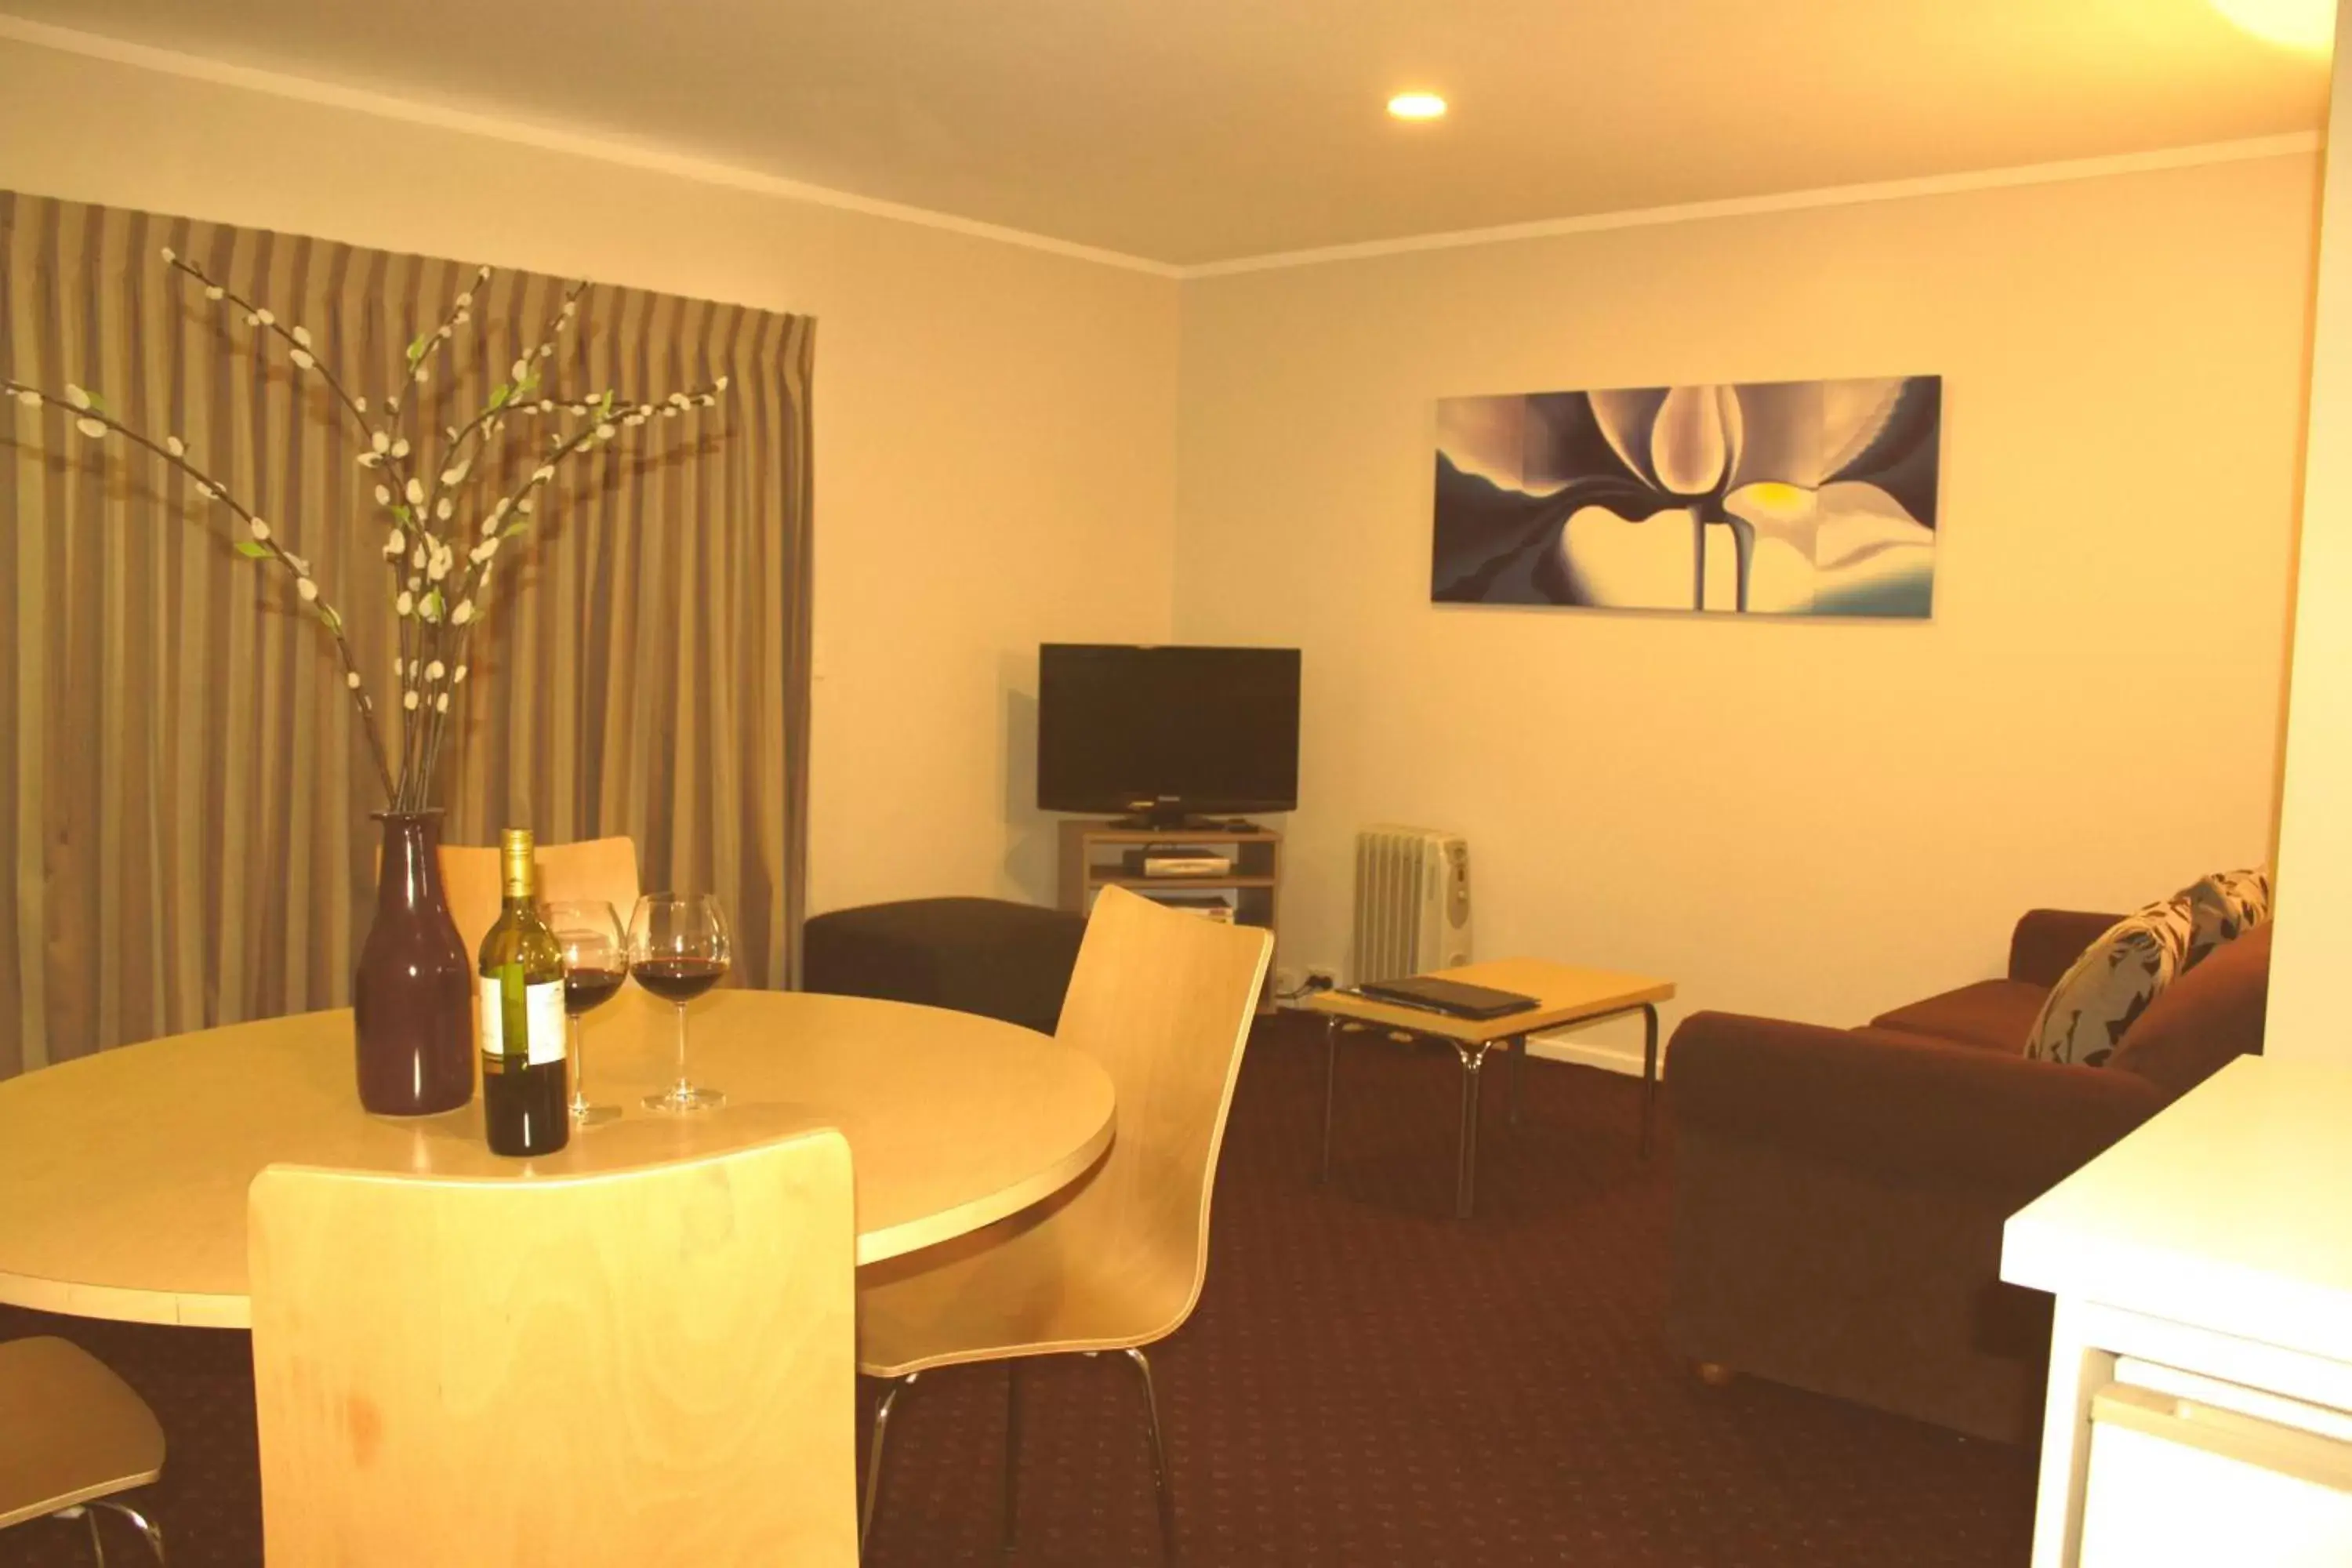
x,y
684,1088
579,1069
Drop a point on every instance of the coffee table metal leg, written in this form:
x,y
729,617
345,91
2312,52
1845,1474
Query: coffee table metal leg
x,y
1649,1072
1517,1045
1331,1072
1466,1173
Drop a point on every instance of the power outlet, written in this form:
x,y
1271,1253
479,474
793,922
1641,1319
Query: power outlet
x,y
1322,977
1285,982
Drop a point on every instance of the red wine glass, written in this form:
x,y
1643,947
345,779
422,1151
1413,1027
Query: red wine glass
x,y
595,962
679,949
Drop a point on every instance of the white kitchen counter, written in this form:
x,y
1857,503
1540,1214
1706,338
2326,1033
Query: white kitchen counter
x,y
2217,1238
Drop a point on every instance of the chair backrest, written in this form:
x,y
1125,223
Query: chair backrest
x,y
591,868
648,1365
1163,1000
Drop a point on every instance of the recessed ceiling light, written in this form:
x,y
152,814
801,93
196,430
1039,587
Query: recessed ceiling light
x,y
1417,106
2297,24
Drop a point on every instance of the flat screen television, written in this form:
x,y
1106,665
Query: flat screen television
x,y
1169,732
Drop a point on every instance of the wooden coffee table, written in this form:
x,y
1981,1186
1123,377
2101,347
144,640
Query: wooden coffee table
x,y
1564,994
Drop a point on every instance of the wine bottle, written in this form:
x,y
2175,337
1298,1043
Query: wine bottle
x,y
525,1107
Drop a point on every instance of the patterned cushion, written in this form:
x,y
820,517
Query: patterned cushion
x,y
2111,984
2224,906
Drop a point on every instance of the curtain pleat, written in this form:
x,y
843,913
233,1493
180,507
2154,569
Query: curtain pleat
x,y
184,786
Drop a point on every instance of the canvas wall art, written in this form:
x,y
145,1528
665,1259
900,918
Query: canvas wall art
x,y
1789,497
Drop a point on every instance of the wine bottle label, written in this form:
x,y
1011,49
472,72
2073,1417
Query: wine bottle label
x,y
543,1024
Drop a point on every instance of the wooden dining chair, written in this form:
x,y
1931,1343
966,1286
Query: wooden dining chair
x,y
73,1438
1163,1000
603,868
636,1366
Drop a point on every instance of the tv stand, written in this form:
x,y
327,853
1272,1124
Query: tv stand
x,y
1181,822
1093,857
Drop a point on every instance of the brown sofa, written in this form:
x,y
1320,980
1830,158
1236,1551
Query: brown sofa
x,y
1839,1193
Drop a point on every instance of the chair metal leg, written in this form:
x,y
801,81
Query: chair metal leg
x,y
96,1541
1649,1072
1011,1447
874,1455
1158,1457
146,1527
1331,1072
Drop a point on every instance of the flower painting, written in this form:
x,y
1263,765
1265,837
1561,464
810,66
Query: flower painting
x,y
1790,498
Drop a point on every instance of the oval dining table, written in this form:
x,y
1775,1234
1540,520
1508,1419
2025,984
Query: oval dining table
x,y
123,1174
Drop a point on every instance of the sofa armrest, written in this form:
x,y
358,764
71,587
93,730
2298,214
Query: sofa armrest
x,y
1900,1105
2046,943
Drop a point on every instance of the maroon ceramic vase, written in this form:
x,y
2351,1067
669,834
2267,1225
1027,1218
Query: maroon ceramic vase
x,y
412,1002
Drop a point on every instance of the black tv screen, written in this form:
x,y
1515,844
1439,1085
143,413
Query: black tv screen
x,y
1167,730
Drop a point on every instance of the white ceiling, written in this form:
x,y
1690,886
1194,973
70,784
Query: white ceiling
x,y
1195,130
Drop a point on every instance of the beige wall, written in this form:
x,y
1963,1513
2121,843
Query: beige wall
x,y
994,425
2314,922
1810,819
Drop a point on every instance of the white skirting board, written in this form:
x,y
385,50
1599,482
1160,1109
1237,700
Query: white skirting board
x,y
1613,1045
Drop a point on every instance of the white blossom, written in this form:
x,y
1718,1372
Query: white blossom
x,y
260,529
170,256
424,373
76,396
441,703
408,700
215,292
445,332
678,399
301,358
396,543
400,448
175,446
543,473
308,589
396,666
523,506
605,432
352,679
91,427
545,349
405,604
421,557
466,301
456,473
432,670
462,614
444,509
360,404
457,676
723,383
264,318
482,274
371,459
384,495
380,441
485,550
520,372
671,412
302,336
415,492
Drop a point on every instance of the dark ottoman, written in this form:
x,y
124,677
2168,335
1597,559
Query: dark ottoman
x,y
990,956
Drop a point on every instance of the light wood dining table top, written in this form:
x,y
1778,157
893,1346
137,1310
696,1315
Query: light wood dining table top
x,y
123,1174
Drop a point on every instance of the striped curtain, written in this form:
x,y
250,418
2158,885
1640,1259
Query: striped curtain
x,y
184,790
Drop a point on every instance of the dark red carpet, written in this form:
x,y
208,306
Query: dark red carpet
x,y
1367,1381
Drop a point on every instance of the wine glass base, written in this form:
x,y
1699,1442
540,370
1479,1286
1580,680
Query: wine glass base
x,y
586,1115
686,1096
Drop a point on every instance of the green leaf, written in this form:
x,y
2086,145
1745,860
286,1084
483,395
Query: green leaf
x,y
334,622
606,407
416,349
510,530
431,609
97,404
529,386
498,398
252,550
400,509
